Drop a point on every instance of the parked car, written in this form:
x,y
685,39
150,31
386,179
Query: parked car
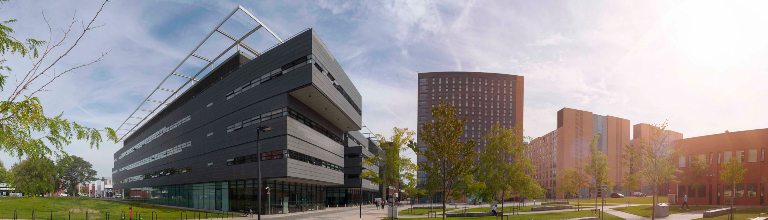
x,y
638,194
617,195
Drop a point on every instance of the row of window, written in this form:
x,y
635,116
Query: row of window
x,y
156,174
748,190
338,87
750,155
269,155
154,136
280,154
277,113
314,125
268,76
463,80
313,160
166,172
163,154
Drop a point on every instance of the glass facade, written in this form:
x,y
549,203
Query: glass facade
x,y
240,196
349,196
211,196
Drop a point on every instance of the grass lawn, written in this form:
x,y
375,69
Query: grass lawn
x,y
543,216
77,207
645,210
743,214
421,211
632,200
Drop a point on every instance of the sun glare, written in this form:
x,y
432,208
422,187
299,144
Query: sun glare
x,y
719,34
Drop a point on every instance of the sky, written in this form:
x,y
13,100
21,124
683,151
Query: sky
x,y
700,65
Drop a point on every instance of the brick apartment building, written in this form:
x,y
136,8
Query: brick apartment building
x,y
568,146
482,98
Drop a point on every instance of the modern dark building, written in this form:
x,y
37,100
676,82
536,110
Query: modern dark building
x,y
482,98
201,151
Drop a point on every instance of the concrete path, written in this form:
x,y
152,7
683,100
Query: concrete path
x,y
623,215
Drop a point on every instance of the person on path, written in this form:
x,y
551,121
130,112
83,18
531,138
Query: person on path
x,y
130,213
685,202
493,209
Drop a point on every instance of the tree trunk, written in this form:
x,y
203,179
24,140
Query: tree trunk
x,y
445,183
653,200
733,197
502,204
596,190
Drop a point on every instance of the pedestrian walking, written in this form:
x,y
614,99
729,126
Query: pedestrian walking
x,y
685,202
130,213
493,209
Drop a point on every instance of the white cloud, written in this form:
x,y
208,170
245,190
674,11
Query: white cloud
x,y
646,61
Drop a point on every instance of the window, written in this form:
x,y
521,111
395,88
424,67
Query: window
x,y
691,191
751,189
681,161
752,156
726,156
739,190
762,154
740,155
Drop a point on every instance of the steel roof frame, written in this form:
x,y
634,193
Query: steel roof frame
x,y
191,79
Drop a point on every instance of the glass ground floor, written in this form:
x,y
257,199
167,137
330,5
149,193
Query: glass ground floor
x,y
241,196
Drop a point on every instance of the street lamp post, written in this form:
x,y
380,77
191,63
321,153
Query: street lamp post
x,y
258,161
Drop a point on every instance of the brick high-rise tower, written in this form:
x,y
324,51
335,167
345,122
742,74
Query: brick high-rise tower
x,y
482,98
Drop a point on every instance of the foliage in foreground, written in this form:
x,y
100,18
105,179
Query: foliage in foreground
x,y
25,128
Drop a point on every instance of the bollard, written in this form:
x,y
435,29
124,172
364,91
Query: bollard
x,y
86,214
33,214
51,215
181,216
69,215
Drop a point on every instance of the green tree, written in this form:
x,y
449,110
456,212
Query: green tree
x,y
569,182
733,173
597,167
632,178
34,176
503,168
409,180
72,170
391,162
449,158
696,170
656,159
25,129
3,173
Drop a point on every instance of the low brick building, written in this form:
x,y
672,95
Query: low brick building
x,y
746,146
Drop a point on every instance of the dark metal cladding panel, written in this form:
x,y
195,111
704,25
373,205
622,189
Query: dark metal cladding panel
x,y
216,94
322,53
211,112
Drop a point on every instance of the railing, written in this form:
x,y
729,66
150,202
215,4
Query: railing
x,y
88,214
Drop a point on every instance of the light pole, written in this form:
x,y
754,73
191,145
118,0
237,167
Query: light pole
x,y
258,161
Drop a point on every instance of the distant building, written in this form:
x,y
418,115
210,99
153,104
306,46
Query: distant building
x,y
482,98
748,147
568,146
7,190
